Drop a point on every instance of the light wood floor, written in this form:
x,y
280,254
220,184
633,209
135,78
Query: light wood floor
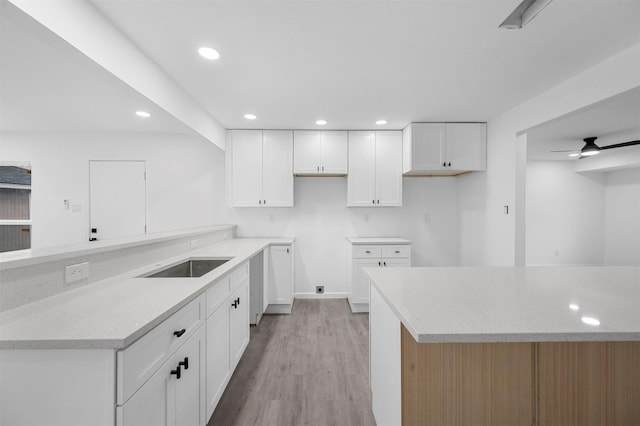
x,y
307,368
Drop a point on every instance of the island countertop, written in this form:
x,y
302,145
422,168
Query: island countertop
x,y
514,304
113,313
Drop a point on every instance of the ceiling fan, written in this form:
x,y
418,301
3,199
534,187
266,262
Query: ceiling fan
x,y
590,148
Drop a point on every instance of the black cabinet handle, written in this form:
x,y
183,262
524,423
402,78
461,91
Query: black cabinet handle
x,y
373,201
322,169
238,301
287,250
367,251
378,201
449,163
259,201
384,263
318,169
397,251
185,363
235,304
179,333
444,164
176,372
379,264
264,201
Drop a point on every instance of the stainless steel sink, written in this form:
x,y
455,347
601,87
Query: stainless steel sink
x,y
191,268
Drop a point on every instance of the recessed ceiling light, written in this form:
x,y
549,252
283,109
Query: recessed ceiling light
x,y
209,53
143,114
590,321
321,122
575,154
250,116
381,122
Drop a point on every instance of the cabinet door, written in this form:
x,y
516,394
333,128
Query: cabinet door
x,y
428,146
307,152
239,324
218,370
466,146
360,285
389,168
334,153
280,280
277,171
246,166
148,406
361,180
190,387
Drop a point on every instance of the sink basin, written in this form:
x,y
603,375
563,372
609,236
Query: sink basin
x,y
191,268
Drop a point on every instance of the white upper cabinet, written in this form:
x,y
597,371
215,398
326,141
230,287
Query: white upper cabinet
x,y
375,169
261,168
444,148
320,153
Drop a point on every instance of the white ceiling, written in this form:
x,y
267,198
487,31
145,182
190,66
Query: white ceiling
x,y
612,121
46,85
353,62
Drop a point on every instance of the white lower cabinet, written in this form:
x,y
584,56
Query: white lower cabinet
x,y
238,324
372,253
174,395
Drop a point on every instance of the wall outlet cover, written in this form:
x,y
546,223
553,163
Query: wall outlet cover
x,y
77,272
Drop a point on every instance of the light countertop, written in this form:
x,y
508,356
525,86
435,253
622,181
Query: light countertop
x,y
513,304
377,241
113,313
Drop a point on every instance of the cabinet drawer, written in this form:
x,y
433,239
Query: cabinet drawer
x,y
239,276
396,251
365,252
138,362
218,293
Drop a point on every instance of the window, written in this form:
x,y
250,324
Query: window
x,y
15,206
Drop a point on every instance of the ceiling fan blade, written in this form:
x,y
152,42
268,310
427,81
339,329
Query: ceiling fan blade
x,y
620,145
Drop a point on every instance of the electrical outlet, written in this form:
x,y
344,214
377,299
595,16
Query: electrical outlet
x,y
194,244
319,289
76,272
427,218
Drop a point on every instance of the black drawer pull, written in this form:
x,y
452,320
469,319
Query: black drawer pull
x,y
235,304
184,363
176,372
179,333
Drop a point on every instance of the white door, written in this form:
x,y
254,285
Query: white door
x,y
428,147
465,146
217,356
361,180
389,168
246,168
277,168
118,200
307,151
190,388
238,324
360,292
334,152
280,279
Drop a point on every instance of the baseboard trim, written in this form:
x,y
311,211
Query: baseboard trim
x,y
336,295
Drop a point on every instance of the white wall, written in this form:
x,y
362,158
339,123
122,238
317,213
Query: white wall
x,y
320,222
622,217
565,215
181,179
487,235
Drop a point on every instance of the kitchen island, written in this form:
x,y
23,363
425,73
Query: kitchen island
x,y
130,349
488,346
